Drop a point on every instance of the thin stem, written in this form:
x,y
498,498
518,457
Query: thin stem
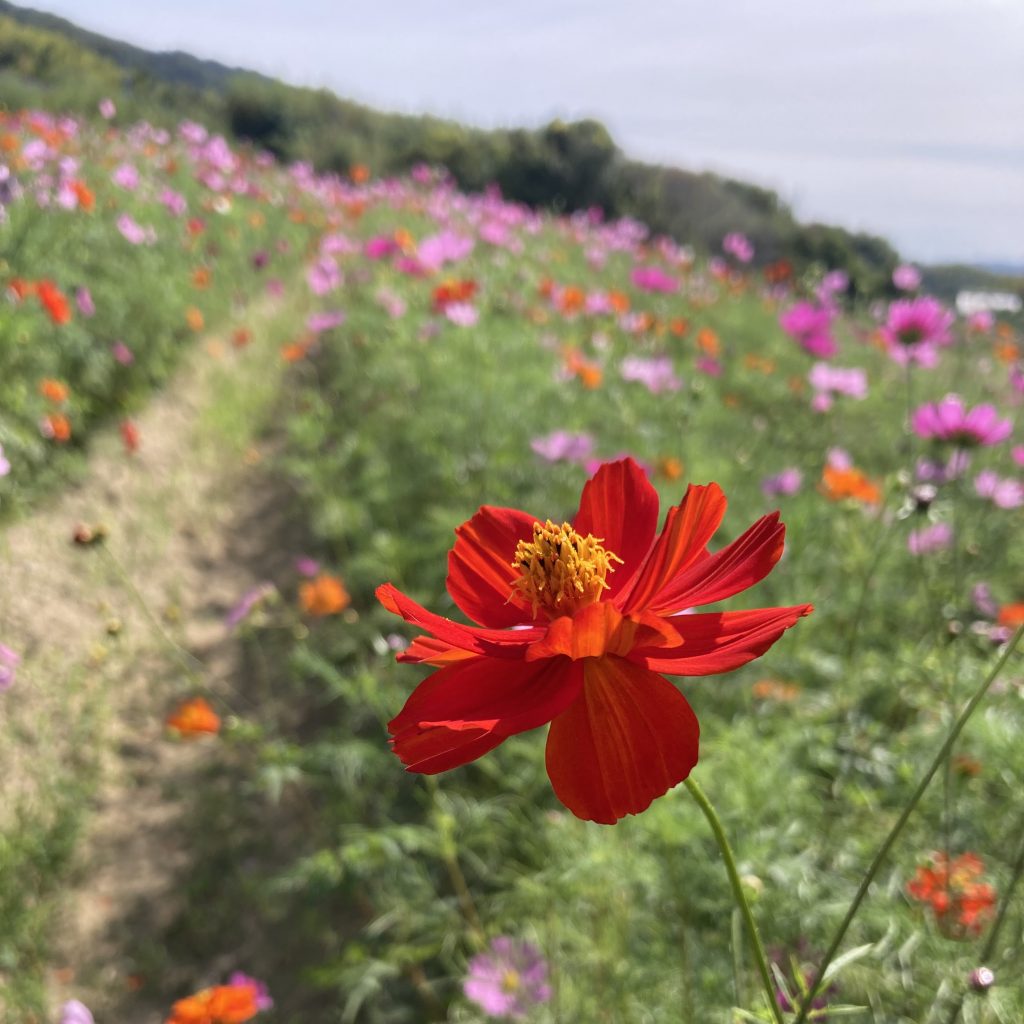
x,y
890,839
753,935
993,936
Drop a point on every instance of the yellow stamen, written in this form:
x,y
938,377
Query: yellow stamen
x,y
510,980
561,570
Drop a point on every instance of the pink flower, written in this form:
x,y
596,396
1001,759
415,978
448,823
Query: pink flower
x,y
107,108
249,601
122,353
930,539
782,484
709,365
981,322
509,980
445,247
134,232
127,177
829,380
306,566
325,321
811,327
654,279
656,374
835,282
381,247
9,661
74,1012
465,314
906,278
738,246
5,466
259,989
323,276
83,300
933,472
950,421
1003,493
174,201
561,446
1017,453
914,328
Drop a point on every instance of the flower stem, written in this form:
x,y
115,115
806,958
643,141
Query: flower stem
x,y
753,935
890,839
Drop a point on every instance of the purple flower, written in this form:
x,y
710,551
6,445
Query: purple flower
x,y
243,609
5,466
9,661
656,374
951,421
984,602
811,327
930,539
83,299
74,1012
260,993
325,321
509,980
175,202
738,246
306,566
654,279
1003,493
561,446
782,484
906,278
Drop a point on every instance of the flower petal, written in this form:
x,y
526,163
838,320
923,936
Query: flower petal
x,y
495,643
619,505
737,566
684,540
480,570
720,641
454,715
631,738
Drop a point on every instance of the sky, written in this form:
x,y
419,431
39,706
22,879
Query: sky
x,y
900,117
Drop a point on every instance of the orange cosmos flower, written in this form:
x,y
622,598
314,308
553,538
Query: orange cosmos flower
x,y
294,351
962,904
670,467
54,390
57,427
707,342
194,718
571,300
589,373
241,337
359,173
325,595
838,484
224,1004
201,277
678,326
619,301
1011,615
773,689
55,303
84,195
577,623
194,318
1007,352
130,436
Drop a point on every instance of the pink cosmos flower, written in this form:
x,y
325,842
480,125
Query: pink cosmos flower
x,y
562,446
709,365
135,232
811,326
9,661
306,566
906,278
654,279
1017,454
1002,492
392,303
174,201
325,321
259,989
930,471
445,247
127,177
951,421
738,246
915,328
249,601
5,466
836,380
83,299
655,374
74,1012
122,353
509,980
834,283
323,276
981,322
465,314
930,539
381,247
782,484
107,108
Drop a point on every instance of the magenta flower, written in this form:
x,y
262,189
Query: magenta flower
x,y
259,989
445,247
930,539
5,466
930,471
915,328
655,374
829,381
1017,453
381,247
9,661
83,300
175,202
811,327
782,484
981,322
951,421
306,566
74,1012
562,446
509,980
249,601
738,246
1002,492
122,353
654,279
323,276
709,365
325,321
906,278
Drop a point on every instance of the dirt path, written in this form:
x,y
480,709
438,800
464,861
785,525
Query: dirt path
x,y
193,523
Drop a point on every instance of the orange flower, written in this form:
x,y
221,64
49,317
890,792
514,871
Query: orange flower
x,y
962,905
325,595
86,200
678,326
194,318
57,427
201,277
405,241
773,689
294,351
670,467
619,301
1007,352
241,337
359,173
590,374
838,484
707,342
571,300
224,1004
54,301
1012,615
130,436
449,292
19,288
193,718
54,390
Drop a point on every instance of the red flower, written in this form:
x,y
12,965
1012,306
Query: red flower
x,y
577,623
962,904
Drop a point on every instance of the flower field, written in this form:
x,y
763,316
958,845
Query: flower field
x,y
450,470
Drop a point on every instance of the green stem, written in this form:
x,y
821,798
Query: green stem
x,y
890,839
753,935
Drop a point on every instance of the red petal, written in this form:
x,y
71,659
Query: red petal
x,y
720,641
428,650
620,506
600,629
482,700
688,528
630,739
495,643
480,572
739,565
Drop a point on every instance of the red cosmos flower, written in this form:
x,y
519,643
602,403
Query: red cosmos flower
x,y
578,621
962,904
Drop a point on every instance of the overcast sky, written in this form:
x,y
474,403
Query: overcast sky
x,y
902,117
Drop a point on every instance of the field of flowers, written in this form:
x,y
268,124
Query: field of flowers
x,y
844,702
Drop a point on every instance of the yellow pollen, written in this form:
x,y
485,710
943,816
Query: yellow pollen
x,y
561,571
510,980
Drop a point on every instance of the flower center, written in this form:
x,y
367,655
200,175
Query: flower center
x,y
510,980
561,571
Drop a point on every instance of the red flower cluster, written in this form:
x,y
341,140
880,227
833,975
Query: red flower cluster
x,y
578,621
450,292
962,904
